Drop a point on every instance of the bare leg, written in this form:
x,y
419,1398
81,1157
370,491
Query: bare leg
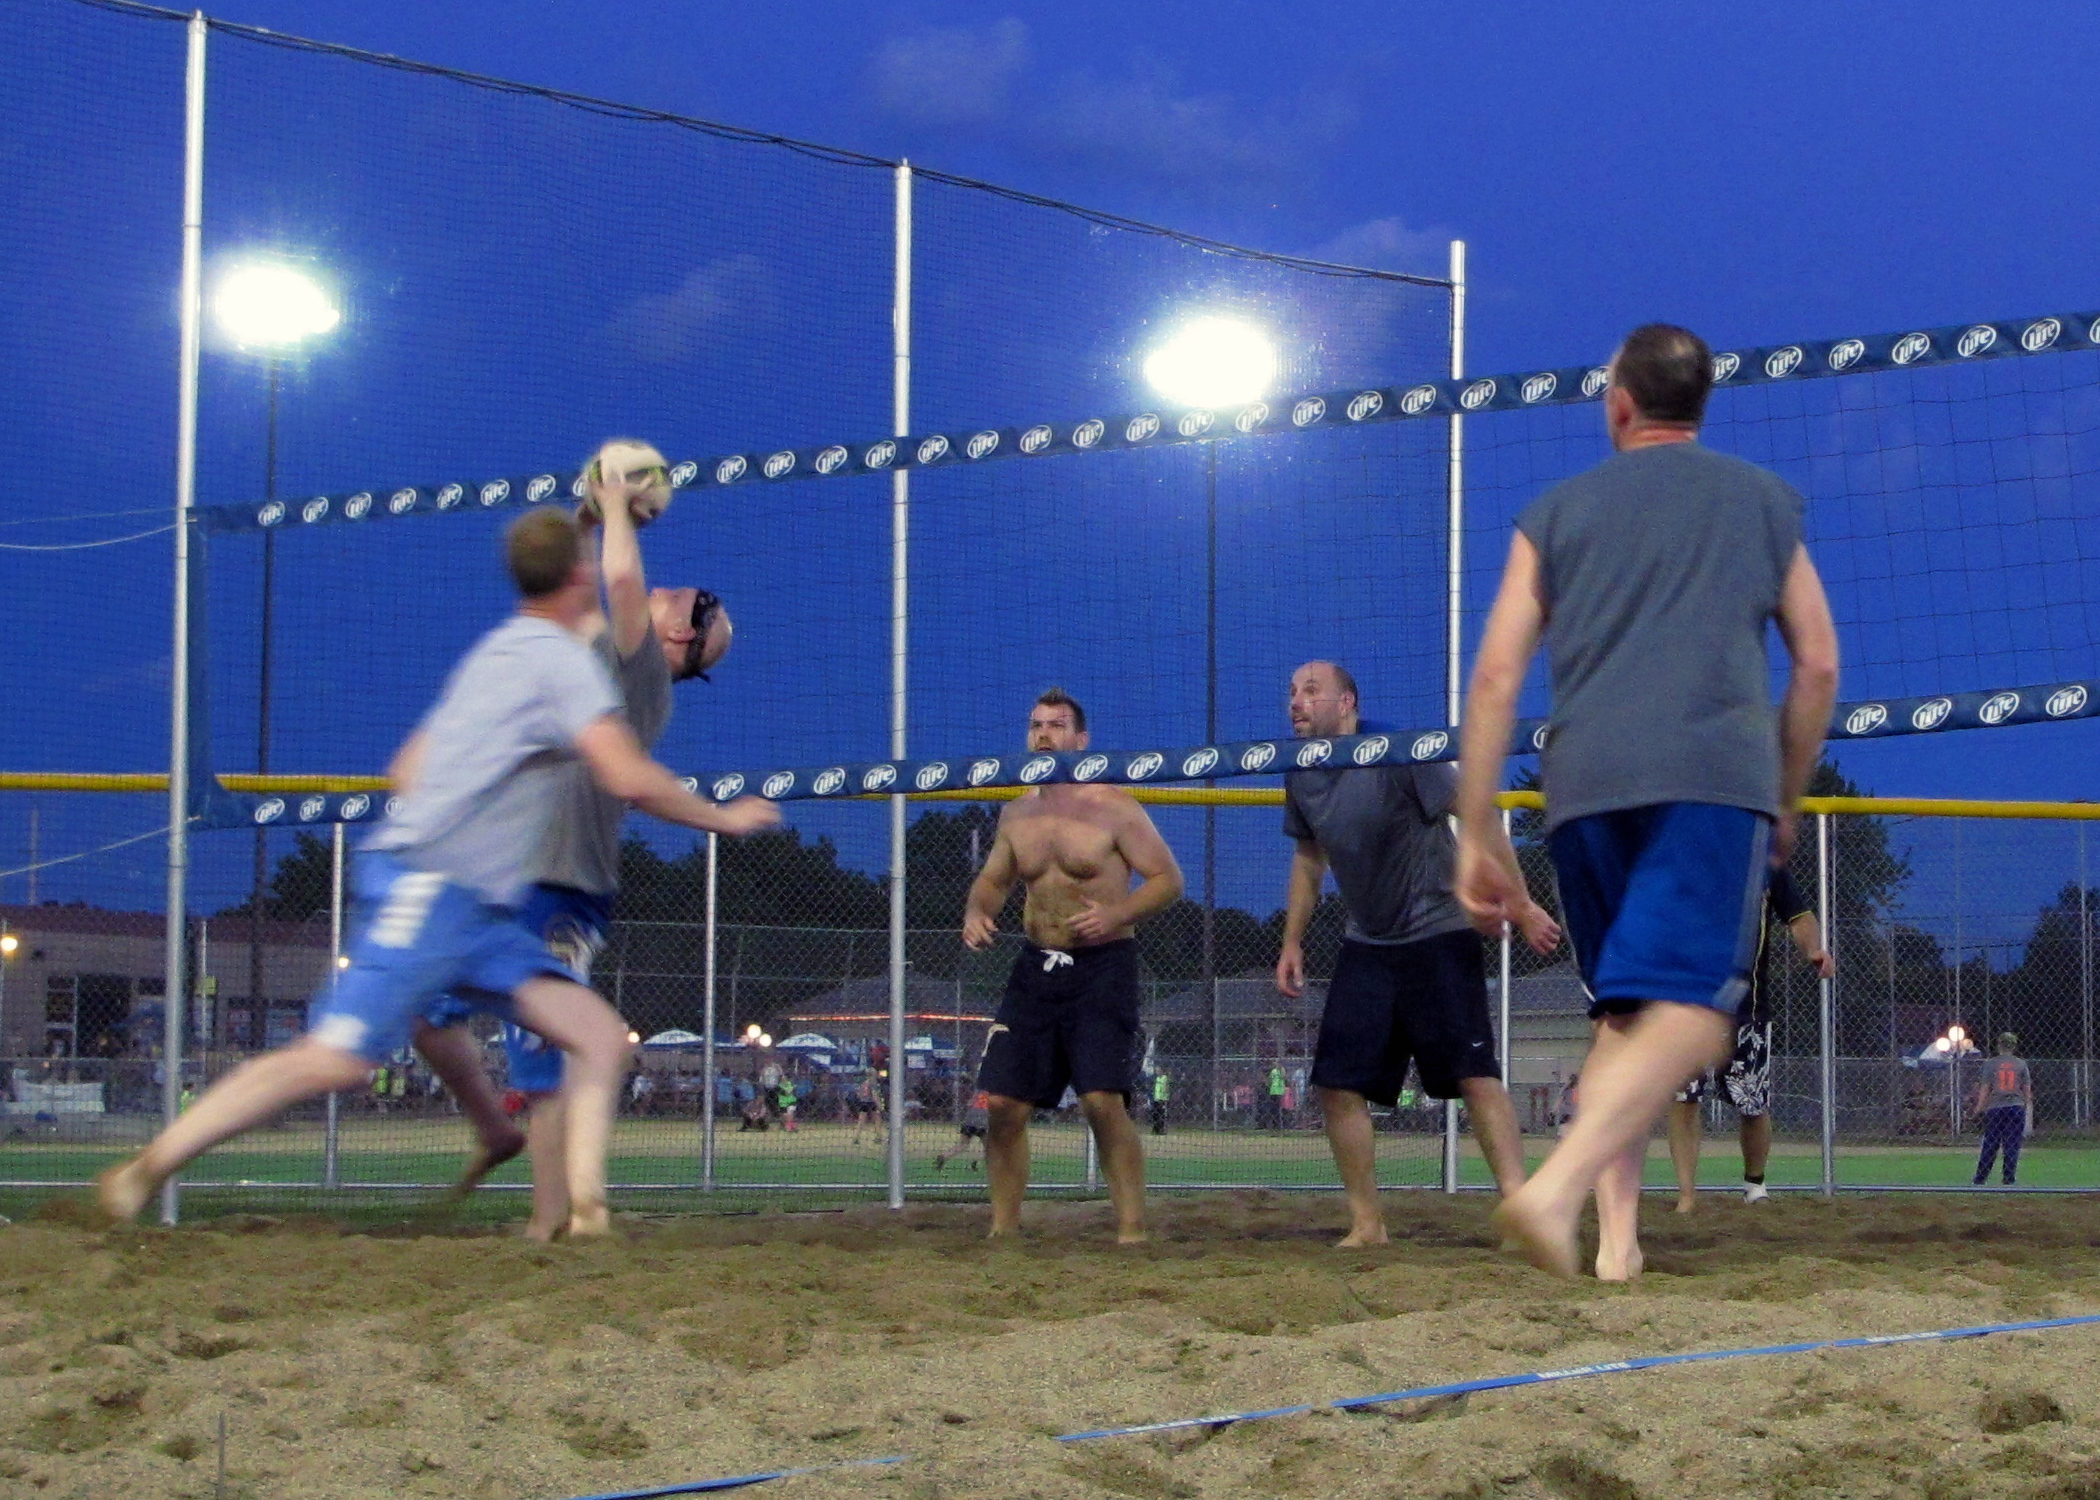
x,y
1684,1151
1495,1127
454,1057
1355,1148
1006,1161
1122,1162
548,1137
1619,1214
594,1039
1634,1067
255,1091
1756,1135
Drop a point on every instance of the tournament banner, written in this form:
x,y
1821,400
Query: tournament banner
x,y
1808,360
1877,719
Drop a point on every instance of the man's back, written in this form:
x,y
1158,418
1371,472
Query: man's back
x,y
495,745
1660,568
582,846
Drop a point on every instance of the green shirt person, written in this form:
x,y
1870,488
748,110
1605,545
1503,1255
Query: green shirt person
x,y
1159,1087
1277,1083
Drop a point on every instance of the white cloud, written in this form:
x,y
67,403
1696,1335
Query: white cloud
x,y
671,327
951,75
1389,245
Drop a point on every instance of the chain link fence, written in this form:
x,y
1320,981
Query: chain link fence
x,y
1948,932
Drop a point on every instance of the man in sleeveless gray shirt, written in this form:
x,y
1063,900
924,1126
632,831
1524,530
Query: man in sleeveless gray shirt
x,y
439,881
647,639
1410,984
1670,782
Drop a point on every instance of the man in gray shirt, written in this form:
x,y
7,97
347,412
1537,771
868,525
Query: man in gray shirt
x,y
1410,985
437,884
1670,782
646,639
2005,1099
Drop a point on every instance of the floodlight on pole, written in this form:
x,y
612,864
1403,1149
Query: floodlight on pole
x,y
1212,361
8,944
267,305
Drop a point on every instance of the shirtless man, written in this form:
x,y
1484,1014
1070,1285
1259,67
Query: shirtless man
x,y
1070,1013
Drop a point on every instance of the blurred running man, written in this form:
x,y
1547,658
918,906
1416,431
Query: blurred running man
x,y
1070,1013
1669,785
1410,985
2005,1099
970,1132
1747,1081
438,883
646,639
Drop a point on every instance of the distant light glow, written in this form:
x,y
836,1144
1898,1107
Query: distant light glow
x,y
1941,1044
342,961
751,1032
765,1039
269,306
1213,362
1956,1034
8,943
633,1038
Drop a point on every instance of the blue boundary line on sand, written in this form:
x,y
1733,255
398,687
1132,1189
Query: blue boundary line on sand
x,y
737,1482
1419,1393
1581,1372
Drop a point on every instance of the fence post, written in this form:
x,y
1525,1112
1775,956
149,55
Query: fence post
x,y
331,1138
900,602
2085,991
179,664
707,1028
1826,989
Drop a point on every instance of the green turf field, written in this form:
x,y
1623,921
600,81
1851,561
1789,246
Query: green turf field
x,y
659,1161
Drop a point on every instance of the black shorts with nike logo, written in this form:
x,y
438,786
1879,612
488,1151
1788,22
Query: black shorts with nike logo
x,y
1067,1018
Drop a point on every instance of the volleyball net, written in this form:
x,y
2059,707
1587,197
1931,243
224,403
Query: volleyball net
x,y
1168,566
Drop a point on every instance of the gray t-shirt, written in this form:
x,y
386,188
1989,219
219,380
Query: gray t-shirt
x,y
582,847
1382,829
1660,569
495,746
2007,1080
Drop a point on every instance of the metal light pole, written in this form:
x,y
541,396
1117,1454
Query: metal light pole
x,y
1209,363
272,308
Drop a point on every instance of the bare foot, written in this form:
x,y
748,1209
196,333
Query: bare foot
x,y
121,1191
996,1233
1546,1243
1131,1236
1621,1268
1687,1205
485,1161
545,1234
590,1221
1361,1237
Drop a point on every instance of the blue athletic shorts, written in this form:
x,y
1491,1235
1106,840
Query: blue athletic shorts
x,y
573,926
1663,902
414,936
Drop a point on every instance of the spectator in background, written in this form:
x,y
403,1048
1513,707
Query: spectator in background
x,y
1162,1090
2005,1099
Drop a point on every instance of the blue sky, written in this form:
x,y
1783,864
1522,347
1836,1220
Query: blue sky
x,y
1788,171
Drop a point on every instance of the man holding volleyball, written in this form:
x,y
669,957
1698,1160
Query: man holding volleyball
x,y
1671,785
647,640
439,882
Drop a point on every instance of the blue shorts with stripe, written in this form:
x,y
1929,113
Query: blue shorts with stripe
x,y
573,926
1663,902
414,936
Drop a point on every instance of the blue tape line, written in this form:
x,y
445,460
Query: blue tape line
x,y
1581,1372
737,1482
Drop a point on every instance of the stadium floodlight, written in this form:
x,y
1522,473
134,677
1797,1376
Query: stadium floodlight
x,y
1212,361
765,1039
634,1038
1956,1035
269,305
8,944
751,1032
1942,1044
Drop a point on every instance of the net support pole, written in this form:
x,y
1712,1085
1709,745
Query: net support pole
x,y
900,619
331,1140
178,665
707,1028
1454,597
1502,1028
1826,993
2085,990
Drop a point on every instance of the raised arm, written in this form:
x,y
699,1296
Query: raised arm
x,y
988,891
620,568
1811,690
1308,869
619,764
1150,859
1489,884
